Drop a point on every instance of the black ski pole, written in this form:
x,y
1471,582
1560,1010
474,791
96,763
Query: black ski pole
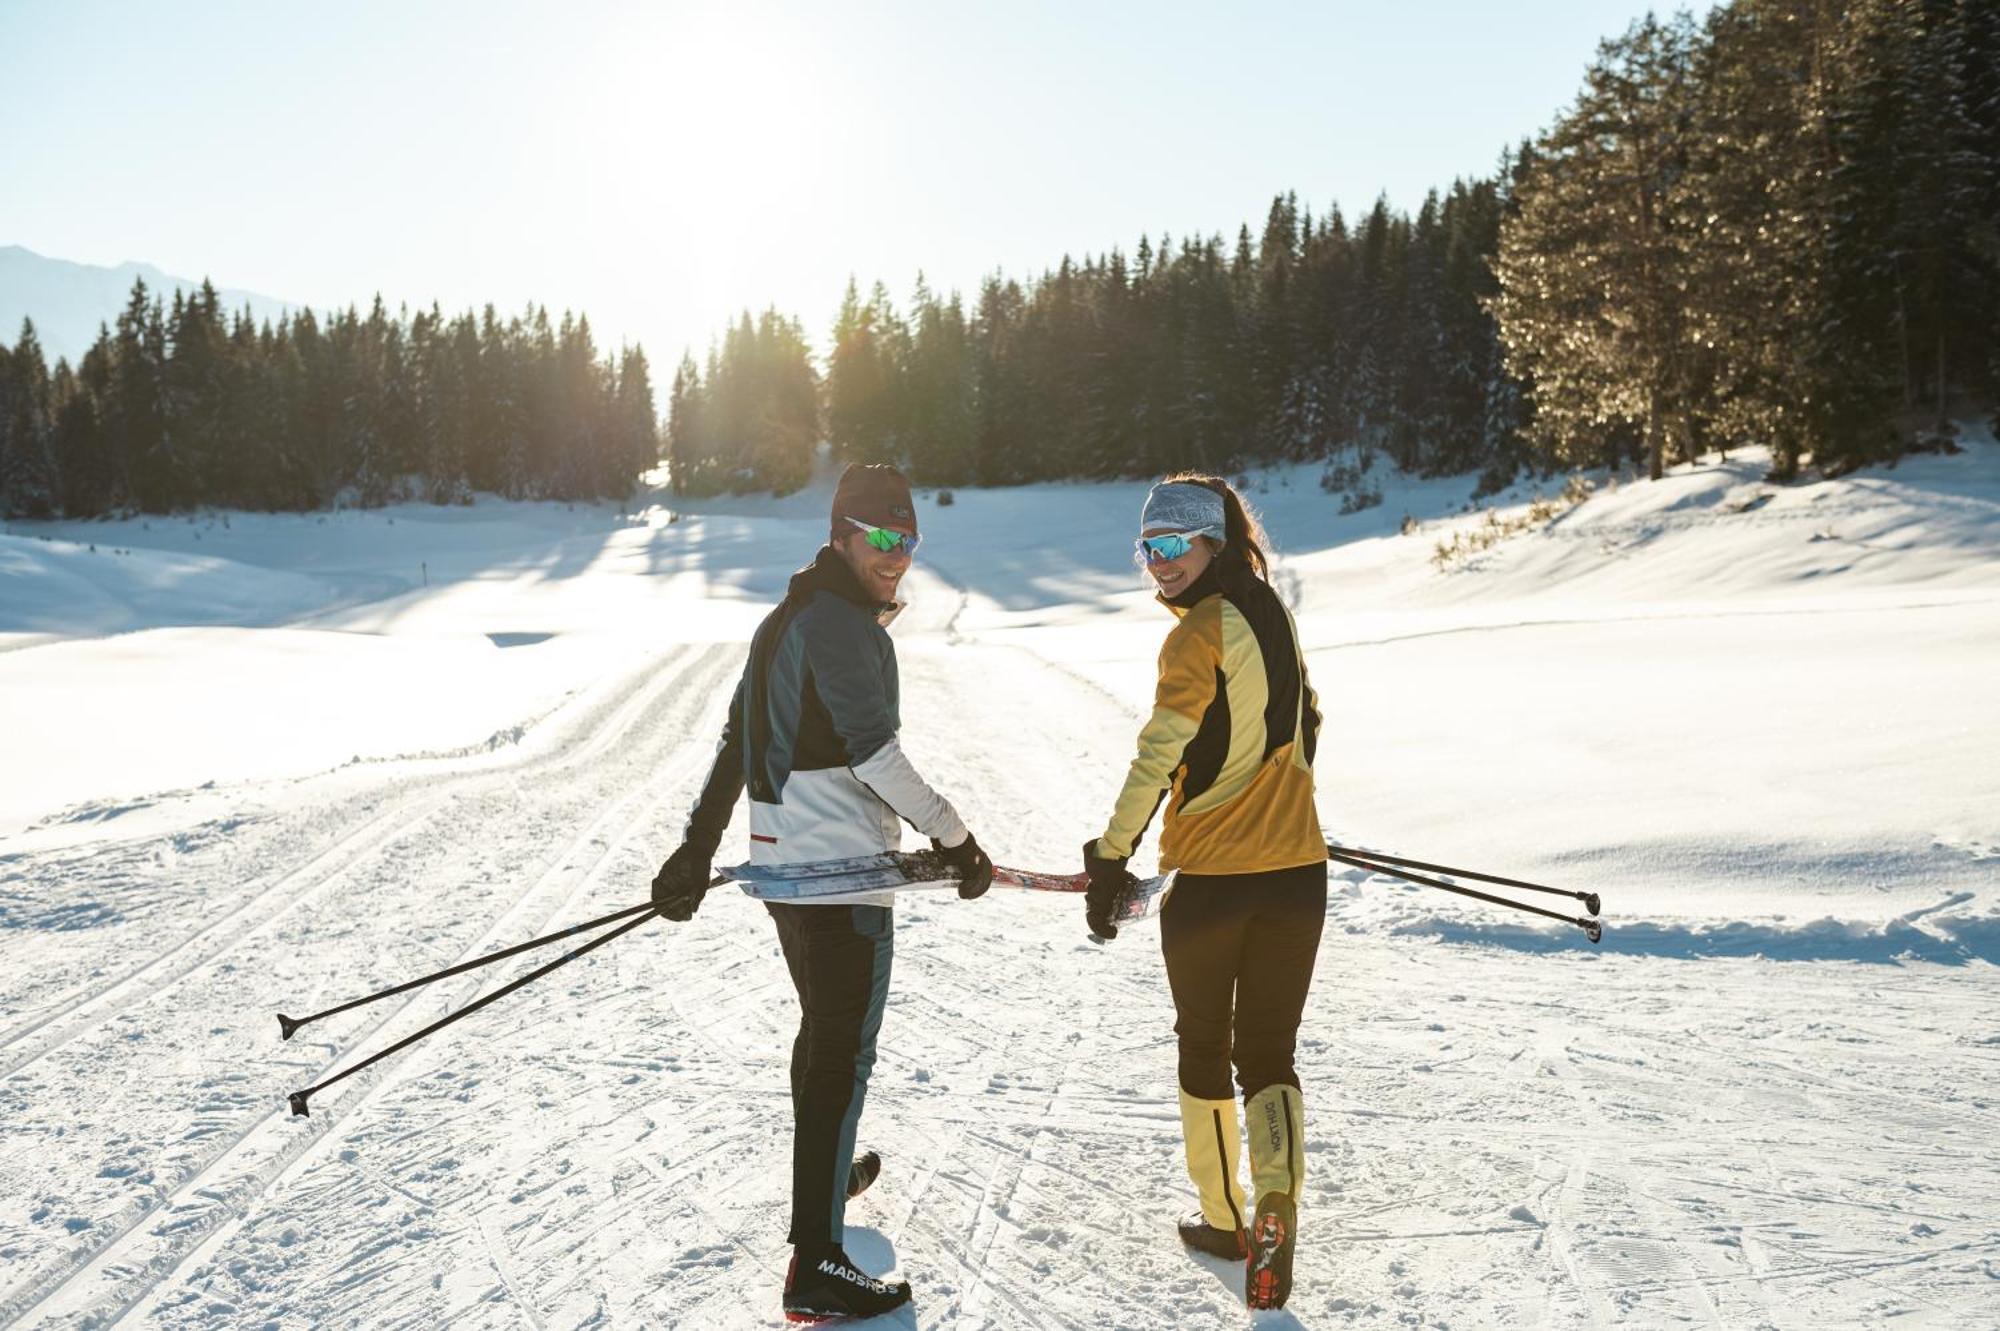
x,y
1592,929
1589,899
287,1025
298,1098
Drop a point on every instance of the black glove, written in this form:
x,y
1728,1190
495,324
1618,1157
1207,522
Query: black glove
x,y
1110,880
682,882
975,871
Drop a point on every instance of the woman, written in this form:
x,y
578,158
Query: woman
x,y
1230,748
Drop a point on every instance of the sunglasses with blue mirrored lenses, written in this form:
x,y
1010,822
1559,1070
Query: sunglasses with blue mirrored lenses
x,y
887,541
1166,548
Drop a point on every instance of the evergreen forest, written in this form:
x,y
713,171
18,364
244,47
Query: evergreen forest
x,y
186,405
1779,225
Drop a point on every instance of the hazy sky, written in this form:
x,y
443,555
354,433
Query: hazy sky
x,y
661,166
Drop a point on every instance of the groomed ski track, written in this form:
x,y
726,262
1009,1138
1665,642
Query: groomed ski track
x,y
1496,1136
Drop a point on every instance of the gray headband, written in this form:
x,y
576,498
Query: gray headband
x,y
1180,506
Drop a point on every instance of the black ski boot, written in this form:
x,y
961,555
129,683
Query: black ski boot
x,y
823,1285
862,1172
1198,1234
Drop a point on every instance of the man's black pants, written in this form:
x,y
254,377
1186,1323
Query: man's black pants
x,y
839,959
1240,950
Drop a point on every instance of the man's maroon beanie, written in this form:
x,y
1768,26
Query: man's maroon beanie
x,y
877,495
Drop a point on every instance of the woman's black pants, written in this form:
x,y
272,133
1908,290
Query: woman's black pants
x,y
1240,950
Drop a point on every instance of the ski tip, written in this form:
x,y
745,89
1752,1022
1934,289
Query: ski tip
x,y
286,1025
1592,930
1591,903
298,1103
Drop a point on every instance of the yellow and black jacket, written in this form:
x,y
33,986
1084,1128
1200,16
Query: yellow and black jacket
x,y
1231,739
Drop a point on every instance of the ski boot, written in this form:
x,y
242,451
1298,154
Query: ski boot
x,y
862,1172
1267,1278
1276,1117
1200,1236
823,1285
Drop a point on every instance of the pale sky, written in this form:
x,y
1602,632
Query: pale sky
x,y
662,166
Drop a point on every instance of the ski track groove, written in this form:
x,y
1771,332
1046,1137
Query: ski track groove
x,y
997,1114
521,1305
649,686
1637,1185
161,984
369,1084
965,1087
71,1001
359,844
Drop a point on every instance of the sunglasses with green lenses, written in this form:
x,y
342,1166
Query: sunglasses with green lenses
x,y
1171,546
889,542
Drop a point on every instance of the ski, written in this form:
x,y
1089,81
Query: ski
x,y
903,871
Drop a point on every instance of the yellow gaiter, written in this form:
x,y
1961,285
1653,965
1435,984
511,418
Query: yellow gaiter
x,y
1208,1127
1277,1120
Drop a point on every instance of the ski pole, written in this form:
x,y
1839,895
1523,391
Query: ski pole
x,y
287,1025
298,1098
1593,929
1589,899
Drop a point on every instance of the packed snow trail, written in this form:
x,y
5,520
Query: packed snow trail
x,y
1495,1137
182,1143
1749,715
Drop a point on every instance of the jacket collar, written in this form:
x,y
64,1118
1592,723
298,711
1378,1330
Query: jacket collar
x,y
829,573
1203,587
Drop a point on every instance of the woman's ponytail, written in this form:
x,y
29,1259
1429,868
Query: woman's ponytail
x,y
1243,538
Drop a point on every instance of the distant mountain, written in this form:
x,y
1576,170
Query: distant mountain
x,y
68,300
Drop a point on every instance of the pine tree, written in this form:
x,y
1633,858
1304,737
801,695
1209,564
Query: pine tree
x,y
1592,266
997,391
137,417
778,393
402,454
82,450
686,452
855,380
1277,374
6,428
637,422
492,361
27,468
940,413
194,392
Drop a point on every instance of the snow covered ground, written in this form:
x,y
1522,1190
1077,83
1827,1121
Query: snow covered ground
x,y
263,763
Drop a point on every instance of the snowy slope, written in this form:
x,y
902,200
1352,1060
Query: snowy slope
x,y
1756,725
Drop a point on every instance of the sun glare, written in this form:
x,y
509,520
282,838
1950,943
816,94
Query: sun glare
x,y
714,106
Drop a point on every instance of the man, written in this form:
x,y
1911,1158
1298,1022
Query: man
x,y
812,734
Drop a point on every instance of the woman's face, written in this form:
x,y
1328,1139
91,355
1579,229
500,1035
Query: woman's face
x,y
1174,576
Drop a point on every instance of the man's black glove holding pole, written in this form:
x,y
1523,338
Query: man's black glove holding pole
x,y
974,869
682,882
1110,881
